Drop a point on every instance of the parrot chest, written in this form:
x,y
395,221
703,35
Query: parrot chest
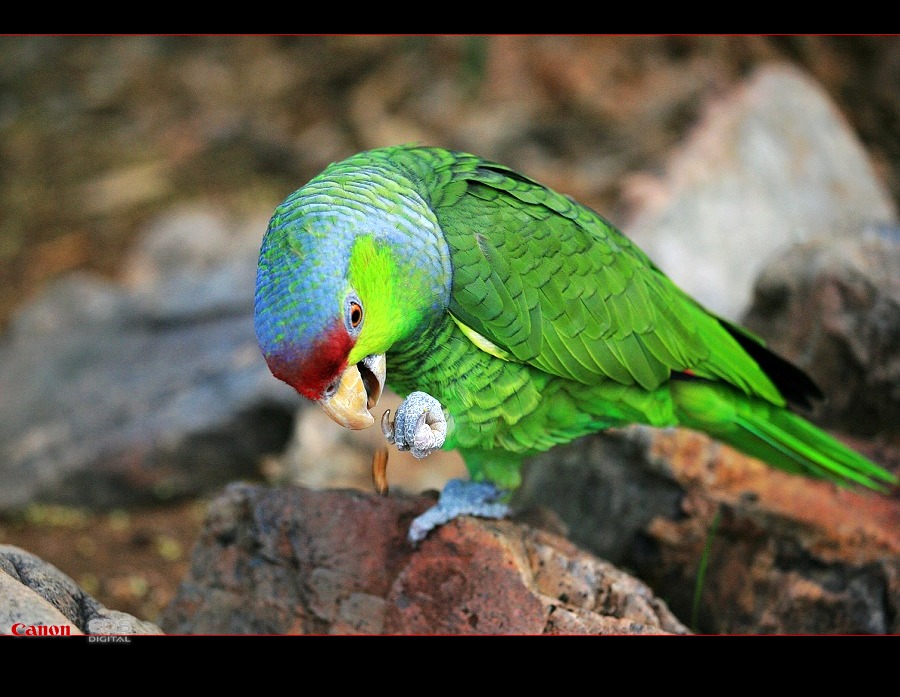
x,y
491,403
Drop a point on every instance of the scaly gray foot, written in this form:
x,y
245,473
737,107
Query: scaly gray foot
x,y
459,498
419,425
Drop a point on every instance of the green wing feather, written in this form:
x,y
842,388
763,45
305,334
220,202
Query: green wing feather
x,y
555,286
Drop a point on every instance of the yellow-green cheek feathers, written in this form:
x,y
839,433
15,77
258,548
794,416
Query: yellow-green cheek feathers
x,y
392,299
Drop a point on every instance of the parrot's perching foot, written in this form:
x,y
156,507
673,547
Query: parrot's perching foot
x,y
419,425
459,498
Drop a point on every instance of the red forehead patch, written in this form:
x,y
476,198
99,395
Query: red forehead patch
x,y
311,371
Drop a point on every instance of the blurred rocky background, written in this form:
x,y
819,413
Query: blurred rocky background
x,y
137,176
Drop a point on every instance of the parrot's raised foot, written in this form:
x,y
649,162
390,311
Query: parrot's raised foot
x,y
419,425
459,498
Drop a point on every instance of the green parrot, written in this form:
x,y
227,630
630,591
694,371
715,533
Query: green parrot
x,y
512,319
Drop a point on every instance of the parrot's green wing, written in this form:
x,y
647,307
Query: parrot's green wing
x,y
540,279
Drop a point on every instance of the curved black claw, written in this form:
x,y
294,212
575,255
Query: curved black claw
x,y
419,425
459,498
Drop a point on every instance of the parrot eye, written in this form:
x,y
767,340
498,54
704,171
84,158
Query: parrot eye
x,y
353,313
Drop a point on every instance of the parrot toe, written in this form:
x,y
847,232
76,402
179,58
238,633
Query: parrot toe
x,y
419,425
459,498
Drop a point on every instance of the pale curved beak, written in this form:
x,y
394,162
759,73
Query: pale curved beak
x,y
358,390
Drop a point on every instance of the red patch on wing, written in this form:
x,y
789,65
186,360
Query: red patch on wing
x,y
310,372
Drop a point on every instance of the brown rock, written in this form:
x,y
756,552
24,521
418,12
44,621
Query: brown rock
x,y
786,554
293,560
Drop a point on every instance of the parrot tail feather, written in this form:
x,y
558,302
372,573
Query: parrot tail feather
x,y
814,452
775,435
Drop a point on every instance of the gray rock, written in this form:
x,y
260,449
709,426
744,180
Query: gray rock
x,y
37,594
116,394
773,164
22,608
833,308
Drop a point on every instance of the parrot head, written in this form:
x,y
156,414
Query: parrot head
x,y
313,324
337,285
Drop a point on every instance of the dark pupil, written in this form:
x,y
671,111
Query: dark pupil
x,y
355,315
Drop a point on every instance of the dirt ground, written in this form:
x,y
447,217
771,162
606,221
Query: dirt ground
x,y
100,134
128,560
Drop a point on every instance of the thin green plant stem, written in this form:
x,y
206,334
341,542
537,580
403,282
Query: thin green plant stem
x,y
701,570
